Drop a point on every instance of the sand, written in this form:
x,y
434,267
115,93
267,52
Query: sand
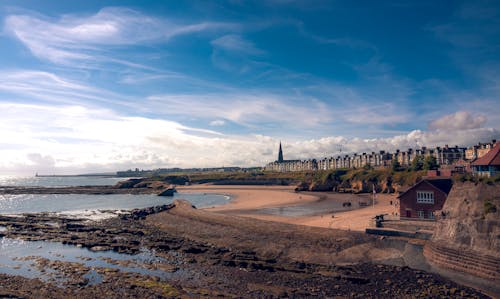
x,y
249,201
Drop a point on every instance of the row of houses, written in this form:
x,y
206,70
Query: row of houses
x,y
444,156
428,196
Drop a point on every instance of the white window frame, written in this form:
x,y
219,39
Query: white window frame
x,y
421,214
426,197
431,215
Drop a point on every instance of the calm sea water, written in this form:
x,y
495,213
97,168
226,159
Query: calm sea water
x,y
89,206
58,181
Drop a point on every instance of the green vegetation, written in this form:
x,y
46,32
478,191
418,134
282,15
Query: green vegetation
x,y
164,288
356,180
236,177
417,164
395,165
467,177
430,163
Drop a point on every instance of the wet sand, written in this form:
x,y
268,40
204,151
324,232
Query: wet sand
x,y
282,204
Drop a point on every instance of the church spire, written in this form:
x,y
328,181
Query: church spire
x,y
280,154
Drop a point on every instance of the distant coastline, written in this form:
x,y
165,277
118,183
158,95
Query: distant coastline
x,y
75,175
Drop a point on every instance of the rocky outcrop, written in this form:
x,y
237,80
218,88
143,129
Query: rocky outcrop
x,y
167,192
467,235
325,186
130,183
141,183
386,186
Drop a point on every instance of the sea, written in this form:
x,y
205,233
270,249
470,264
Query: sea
x,y
19,257
93,207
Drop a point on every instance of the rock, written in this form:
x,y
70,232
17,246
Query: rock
x,y
302,186
99,248
327,186
167,192
130,183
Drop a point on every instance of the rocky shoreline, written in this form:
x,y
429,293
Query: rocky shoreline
x,y
130,186
213,255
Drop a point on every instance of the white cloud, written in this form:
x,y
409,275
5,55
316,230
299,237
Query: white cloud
x,y
217,123
74,38
75,139
236,43
458,121
246,109
39,85
331,146
78,139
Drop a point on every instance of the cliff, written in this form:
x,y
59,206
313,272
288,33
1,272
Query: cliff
x,y
467,234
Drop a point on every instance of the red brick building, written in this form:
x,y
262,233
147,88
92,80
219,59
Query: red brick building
x,y
423,198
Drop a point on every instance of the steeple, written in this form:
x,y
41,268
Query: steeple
x,y
280,154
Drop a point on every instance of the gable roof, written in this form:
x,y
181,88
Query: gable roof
x,y
443,185
491,158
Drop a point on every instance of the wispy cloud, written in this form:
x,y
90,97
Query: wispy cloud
x,y
246,109
77,38
35,85
236,43
233,53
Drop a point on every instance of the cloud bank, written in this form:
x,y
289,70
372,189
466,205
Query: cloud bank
x,y
75,139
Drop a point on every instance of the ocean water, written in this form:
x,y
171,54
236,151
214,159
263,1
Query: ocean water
x,y
89,206
94,205
58,181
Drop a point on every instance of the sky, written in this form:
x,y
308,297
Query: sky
x,y
96,86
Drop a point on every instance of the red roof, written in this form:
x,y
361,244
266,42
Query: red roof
x,y
491,158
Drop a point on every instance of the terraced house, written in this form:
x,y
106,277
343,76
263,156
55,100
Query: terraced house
x,y
443,155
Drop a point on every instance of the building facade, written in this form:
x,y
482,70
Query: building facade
x,y
489,164
444,156
479,150
423,199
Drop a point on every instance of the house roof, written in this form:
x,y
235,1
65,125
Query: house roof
x,y
491,158
443,185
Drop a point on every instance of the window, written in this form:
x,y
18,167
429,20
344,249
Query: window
x,y
421,214
431,215
425,197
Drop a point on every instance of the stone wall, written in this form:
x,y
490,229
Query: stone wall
x,y
467,237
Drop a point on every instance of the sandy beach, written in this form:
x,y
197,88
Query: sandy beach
x,y
265,202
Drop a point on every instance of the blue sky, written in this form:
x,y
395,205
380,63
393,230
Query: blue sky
x,y
106,85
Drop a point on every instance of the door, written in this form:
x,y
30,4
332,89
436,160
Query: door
x,y
408,214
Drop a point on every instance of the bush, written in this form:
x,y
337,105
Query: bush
x,y
430,163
